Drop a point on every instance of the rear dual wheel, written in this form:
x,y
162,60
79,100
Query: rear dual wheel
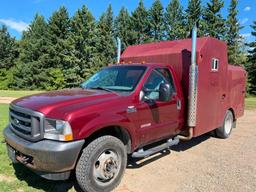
x,y
102,164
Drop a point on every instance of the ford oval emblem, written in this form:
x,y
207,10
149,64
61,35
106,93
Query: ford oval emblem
x,y
16,122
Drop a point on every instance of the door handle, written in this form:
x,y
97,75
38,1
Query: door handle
x,y
178,104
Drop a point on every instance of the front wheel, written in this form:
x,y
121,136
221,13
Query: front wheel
x,y
102,164
226,129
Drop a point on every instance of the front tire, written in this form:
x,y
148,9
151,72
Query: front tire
x,y
226,129
101,165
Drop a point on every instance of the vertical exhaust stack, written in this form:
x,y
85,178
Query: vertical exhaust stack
x,y
118,49
193,79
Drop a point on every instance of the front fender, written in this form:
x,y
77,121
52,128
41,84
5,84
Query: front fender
x,y
85,126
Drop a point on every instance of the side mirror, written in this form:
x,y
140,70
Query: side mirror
x,y
142,94
164,92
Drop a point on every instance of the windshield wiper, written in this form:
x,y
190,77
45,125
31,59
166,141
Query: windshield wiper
x,y
102,88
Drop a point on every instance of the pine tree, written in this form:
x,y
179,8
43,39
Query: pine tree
x,y
109,19
61,47
156,21
106,45
194,16
233,37
8,56
123,27
30,70
8,49
140,24
251,66
175,21
34,40
214,22
83,27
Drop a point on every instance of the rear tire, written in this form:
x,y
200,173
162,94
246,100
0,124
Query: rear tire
x,y
101,165
226,129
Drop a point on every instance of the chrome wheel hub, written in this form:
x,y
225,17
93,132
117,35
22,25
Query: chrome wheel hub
x,y
107,166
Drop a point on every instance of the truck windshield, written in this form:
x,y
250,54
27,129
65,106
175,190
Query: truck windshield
x,y
116,78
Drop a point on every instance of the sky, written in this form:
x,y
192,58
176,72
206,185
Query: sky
x,y
17,14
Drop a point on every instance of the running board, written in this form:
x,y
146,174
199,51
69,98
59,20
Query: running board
x,y
141,153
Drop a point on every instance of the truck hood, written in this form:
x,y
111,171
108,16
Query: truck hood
x,y
64,99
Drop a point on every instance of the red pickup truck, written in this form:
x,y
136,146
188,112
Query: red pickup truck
x,y
166,91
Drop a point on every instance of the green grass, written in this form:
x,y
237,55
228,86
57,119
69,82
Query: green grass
x,y
9,93
250,103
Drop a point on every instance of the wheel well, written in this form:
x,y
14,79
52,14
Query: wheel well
x,y
116,131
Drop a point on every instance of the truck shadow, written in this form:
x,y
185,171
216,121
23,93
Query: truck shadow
x,y
182,146
35,181
185,145
140,162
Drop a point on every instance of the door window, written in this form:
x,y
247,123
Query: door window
x,y
152,85
167,75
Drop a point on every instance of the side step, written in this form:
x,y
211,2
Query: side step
x,y
141,153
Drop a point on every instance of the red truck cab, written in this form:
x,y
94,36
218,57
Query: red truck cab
x,y
123,108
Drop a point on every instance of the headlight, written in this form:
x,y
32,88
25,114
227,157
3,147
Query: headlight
x,y
57,130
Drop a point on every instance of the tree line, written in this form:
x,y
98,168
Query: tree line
x,y
64,50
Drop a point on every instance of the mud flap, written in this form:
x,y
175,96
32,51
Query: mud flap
x,y
234,124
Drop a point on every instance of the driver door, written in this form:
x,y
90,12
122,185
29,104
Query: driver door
x,y
157,119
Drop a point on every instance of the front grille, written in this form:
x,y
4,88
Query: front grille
x,y
26,123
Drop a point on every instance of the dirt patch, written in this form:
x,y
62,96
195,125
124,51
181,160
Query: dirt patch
x,y
7,100
5,178
202,164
